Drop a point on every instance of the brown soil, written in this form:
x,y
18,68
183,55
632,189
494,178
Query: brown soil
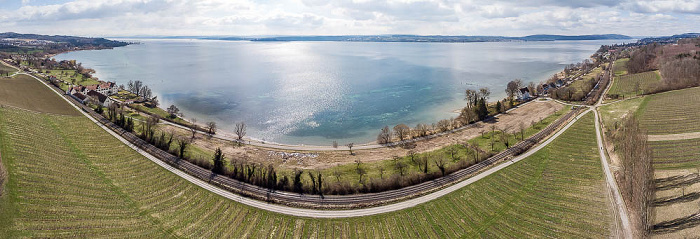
x,y
534,111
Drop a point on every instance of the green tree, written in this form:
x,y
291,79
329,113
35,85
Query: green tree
x,y
218,161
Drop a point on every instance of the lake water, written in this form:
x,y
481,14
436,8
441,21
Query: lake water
x,y
317,92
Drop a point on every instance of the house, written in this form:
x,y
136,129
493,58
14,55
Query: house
x,y
524,94
76,89
559,83
105,88
101,99
552,86
545,88
79,97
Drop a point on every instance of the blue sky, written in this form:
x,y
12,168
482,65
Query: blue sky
x,y
345,17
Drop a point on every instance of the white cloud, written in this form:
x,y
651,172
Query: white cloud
x,y
327,17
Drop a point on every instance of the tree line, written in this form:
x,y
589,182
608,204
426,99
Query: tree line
x,y
637,177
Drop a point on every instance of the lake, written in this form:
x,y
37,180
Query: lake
x,y
317,92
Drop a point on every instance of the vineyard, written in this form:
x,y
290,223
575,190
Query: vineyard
x,y
671,112
69,178
24,92
676,154
636,84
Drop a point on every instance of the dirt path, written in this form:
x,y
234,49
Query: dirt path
x,y
620,207
668,137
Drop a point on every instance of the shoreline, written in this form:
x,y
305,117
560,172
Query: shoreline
x,y
257,141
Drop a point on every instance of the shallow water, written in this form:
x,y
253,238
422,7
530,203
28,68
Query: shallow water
x,y
317,92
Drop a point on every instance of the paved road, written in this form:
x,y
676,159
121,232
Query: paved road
x,y
301,212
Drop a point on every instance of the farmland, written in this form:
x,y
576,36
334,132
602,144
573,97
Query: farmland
x,y
24,92
676,154
6,70
84,183
635,84
671,112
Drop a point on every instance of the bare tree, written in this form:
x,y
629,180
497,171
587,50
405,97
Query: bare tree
x,y
504,138
402,131
384,136
452,150
440,164
513,88
193,127
493,135
381,172
485,93
335,144
521,127
637,173
421,130
337,174
360,170
470,96
240,130
173,111
350,145
400,167
211,128
444,125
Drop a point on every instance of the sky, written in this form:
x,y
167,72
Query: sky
x,y
348,17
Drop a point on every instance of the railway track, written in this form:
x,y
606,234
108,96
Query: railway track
x,y
321,201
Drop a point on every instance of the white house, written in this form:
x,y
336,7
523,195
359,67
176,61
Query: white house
x,y
101,99
524,94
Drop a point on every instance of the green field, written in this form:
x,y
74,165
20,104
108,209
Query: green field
x,y
620,66
69,75
69,178
614,112
160,113
636,84
671,112
25,92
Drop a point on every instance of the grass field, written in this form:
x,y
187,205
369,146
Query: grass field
x,y
68,75
66,182
620,66
25,92
635,84
614,112
671,112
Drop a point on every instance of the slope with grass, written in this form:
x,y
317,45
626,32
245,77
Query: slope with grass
x,y
671,112
6,70
635,84
25,92
620,66
69,178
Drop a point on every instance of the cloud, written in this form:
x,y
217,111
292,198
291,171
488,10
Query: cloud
x,y
338,17
88,9
665,6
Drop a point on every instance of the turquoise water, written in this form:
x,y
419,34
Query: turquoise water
x,y
317,92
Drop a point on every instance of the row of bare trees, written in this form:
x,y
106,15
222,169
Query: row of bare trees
x,y
637,173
